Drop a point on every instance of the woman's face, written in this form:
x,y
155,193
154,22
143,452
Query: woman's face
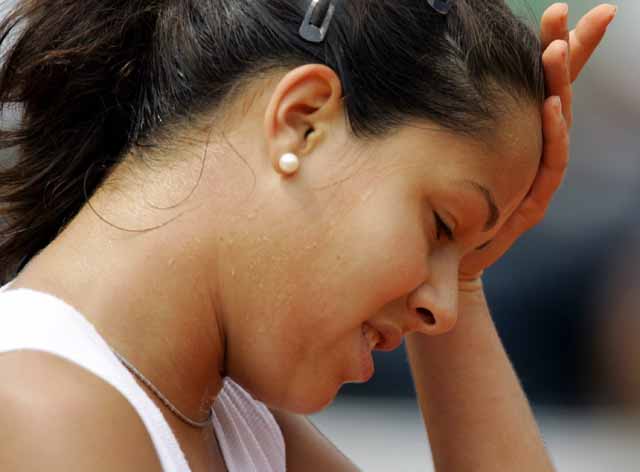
x,y
358,248
355,243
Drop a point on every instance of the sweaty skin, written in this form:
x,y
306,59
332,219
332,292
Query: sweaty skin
x,y
229,238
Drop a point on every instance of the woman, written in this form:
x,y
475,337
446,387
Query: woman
x,y
274,190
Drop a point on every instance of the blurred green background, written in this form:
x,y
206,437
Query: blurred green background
x,y
536,7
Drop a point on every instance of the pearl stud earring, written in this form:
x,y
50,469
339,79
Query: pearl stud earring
x,y
289,163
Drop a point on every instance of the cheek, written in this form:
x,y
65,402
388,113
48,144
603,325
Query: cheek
x,y
376,254
389,252
304,338
396,265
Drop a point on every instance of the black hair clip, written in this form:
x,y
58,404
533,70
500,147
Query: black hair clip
x,y
317,20
441,6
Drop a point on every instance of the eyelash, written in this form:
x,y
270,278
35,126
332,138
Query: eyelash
x,y
442,228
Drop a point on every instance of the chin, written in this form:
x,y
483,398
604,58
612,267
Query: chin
x,y
304,401
304,395
310,403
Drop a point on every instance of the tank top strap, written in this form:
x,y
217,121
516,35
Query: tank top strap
x,y
32,320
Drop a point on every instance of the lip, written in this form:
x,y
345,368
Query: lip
x,y
367,367
391,338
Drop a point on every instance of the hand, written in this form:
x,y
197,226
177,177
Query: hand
x,y
565,54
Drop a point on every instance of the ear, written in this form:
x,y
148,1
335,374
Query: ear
x,y
305,104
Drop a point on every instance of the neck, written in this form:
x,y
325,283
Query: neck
x,y
152,302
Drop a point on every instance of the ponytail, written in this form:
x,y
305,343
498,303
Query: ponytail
x,y
72,72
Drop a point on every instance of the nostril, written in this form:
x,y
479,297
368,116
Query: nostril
x,y
427,316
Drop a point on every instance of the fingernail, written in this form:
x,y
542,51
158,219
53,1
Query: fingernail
x,y
565,9
557,104
562,8
614,12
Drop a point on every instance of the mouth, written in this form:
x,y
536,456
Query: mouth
x,y
372,335
374,339
383,338
369,339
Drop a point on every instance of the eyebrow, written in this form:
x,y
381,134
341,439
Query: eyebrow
x,y
494,213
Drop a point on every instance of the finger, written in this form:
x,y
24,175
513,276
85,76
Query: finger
x,y
554,24
557,76
555,159
586,36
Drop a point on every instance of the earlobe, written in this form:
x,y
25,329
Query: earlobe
x,y
305,103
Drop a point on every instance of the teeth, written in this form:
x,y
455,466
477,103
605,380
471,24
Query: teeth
x,y
372,336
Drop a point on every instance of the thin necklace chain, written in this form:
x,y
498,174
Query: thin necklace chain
x,y
163,399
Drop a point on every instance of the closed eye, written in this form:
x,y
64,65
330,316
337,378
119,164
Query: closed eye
x,y
482,246
442,228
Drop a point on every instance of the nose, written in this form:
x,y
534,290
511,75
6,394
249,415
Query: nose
x,y
433,306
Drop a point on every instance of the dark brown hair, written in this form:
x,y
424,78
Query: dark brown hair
x,y
92,79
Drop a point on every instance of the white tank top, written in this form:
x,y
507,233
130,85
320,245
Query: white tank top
x,y
249,436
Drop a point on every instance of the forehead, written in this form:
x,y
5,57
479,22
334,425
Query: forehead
x,y
509,159
505,160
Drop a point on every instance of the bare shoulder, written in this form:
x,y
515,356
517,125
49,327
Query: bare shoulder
x,y
57,416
